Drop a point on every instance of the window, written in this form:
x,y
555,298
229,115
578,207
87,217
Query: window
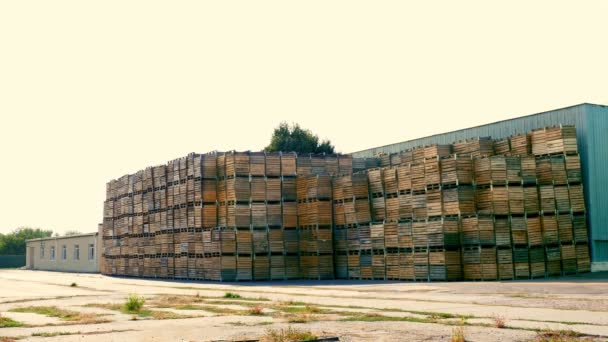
x,y
52,252
64,253
76,252
42,251
92,251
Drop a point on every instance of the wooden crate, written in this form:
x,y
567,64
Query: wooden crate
x,y
533,224
257,164
528,170
547,198
504,258
583,259
537,262
561,139
521,263
544,174
502,146
456,170
389,181
531,201
482,171
573,168
577,200
539,142
405,205
392,207
516,199
404,178
550,230
434,151
579,227
432,176
519,231
418,179
433,203
404,234
419,208
470,231
558,169
520,144
375,181
419,234
391,235
458,200
288,164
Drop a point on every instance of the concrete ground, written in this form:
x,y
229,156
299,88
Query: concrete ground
x,y
350,310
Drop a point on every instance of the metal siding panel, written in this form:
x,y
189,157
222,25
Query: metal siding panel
x,y
599,251
567,116
594,172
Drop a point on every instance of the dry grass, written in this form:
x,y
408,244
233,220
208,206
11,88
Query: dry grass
x,y
9,339
53,334
458,334
499,321
257,310
288,334
142,313
300,317
74,317
559,336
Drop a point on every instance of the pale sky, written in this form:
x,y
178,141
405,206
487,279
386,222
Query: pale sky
x,y
90,91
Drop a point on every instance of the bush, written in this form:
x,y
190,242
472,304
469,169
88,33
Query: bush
x,y
499,321
134,303
287,335
257,310
232,295
73,285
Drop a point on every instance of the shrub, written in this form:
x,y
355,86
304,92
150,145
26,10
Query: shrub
x,y
286,335
257,310
73,285
134,303
499,321
232,295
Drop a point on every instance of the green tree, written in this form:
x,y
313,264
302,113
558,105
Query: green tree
x,y
14,242
296,139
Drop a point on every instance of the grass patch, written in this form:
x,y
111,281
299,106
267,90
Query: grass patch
x,y
373,317
287,334
134,303
64,315
549,335
6,322
300,318
143,313
240,324
310,309
232,295
53,334
213,309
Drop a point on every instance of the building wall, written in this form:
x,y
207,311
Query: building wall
x,y
36,260
591,123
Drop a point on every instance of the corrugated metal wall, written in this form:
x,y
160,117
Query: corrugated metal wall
x,y
592,134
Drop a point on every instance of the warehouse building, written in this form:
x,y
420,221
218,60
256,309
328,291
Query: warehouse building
x,y
591,123
75,253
